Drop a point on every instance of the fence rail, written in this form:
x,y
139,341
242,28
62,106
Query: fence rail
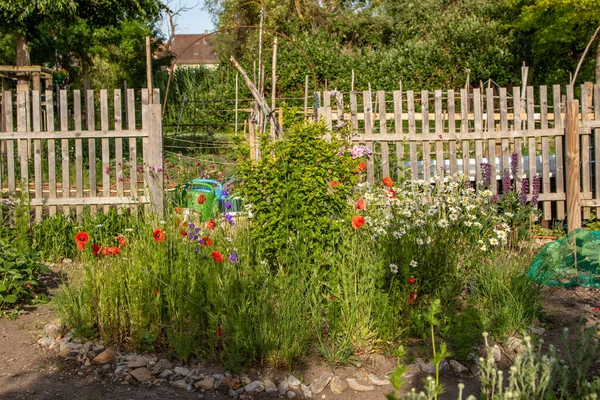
x,y
61,154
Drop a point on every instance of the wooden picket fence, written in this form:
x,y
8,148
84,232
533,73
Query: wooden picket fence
x,y
423,135
42,137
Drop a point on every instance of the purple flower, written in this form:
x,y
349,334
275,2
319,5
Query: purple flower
x,y
495,198
191,235
537,185
524,191
506,182
227,205
191,225
514,164
486,174
225,193
197,250
234,258
229,219
197,230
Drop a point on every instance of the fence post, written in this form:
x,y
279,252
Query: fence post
x,y
154,167
573,167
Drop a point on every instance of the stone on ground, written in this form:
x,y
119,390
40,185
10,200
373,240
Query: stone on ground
x,y
136,361
180,384
293,382
354,385
321,383
254,388
206,383
378,381
141,374
161,366
306,391
283,387
338,385
106,357
458,367
232,383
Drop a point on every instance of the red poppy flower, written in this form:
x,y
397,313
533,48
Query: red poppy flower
x,y
177,210
207,241
411,280
96,249
156,292
211,224
201,199
332,297
111,251
334,184
82,237
121,240
413,297
357,221
391,194
182,234
28,286
361,167
217,256
361,204
159,235
219,332
387,181
81,245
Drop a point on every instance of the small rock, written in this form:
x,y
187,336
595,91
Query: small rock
x,y
360,376
183,371
206,383
283,387
270,387
411,370
429,368
52,330
232,383
141,374
291,395
120,370
497,354
106,357
166,374
254,388
338,385
515,345
97,348
246,380
67,261
136,361
161,366
233,393
46,341
217,384
458,367
378,381
354,385
55,345
218,376
180,384
538,331
306,391
293,382
321,383
67,352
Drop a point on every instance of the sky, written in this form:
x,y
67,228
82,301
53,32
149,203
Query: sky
x,y
195,20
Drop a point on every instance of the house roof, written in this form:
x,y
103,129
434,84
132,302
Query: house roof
x,y
194,49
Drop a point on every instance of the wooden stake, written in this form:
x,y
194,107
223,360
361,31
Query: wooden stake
x,y
573,167
237,78
149,68
273,81
305,96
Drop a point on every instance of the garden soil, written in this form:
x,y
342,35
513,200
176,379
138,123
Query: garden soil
x,y
29,371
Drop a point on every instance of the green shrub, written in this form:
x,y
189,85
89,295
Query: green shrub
x,y
20,274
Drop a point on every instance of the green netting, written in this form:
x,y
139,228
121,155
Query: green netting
x,y
573,260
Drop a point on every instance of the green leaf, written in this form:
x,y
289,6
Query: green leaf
x,y
11,298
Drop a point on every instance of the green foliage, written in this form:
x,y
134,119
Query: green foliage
x,y
298,189
464,332
20,273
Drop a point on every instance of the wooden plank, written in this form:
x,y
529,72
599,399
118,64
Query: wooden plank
x,y
398,130
385,161
547,206
118,142
367,109
477,110
91,126
51,152
464,129
37,151
78,134
489,94
504,127
414,165
144,121
586,186
353,111
597,145
133,177
78,151
427,161
370,165
326,98
558,148
452,129
573,167
154,174
425,131
23,152
531,141
105,147
516,103
419,137
439,129
88,201
64,147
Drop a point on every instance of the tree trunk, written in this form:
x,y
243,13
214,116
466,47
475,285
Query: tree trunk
x,y
85,71
598,63
22,60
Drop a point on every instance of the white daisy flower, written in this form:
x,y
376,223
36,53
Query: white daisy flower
x,y
402,231
477,224
509,215
494,241
396,234
394,268
99,226
419,222
480,241
468,224
453,217
413,263
487,193
128,229
483,248
420,241
443,223
501,235
429,240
